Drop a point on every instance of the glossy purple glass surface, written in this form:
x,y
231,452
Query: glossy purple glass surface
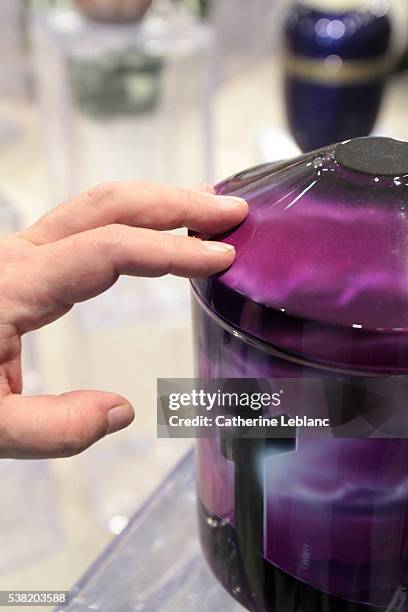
x,y
320,278
326,245
336,511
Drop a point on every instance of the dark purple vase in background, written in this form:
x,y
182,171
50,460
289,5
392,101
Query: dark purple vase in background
x,y
337,59
319,287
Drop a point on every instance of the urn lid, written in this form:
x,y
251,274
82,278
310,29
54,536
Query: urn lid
x,y
322,258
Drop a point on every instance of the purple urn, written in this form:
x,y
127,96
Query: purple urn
x,y
319,288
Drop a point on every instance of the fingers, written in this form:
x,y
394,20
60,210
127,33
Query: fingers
x,y
59,426
82,266
140,204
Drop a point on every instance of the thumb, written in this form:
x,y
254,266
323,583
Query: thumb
x,y
59,426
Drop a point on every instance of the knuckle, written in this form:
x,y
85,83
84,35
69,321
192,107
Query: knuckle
x,y
187,197
73,446
179,244
110,236
102,194
14,263
173,245
206,188
176,252
168,254
4,426
75,439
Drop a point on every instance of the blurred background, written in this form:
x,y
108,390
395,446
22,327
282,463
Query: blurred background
x,y
181,91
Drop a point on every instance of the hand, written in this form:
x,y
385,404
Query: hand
x,y
73,253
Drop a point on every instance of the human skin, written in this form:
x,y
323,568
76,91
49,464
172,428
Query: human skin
x,y
73,253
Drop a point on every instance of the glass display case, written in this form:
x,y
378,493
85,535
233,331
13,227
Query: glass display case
x,y
130,101
156,562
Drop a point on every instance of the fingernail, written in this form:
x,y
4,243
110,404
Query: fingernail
x,y
217,247
120,417
232,202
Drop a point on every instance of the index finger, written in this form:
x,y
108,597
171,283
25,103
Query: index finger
x,y
139,204
81,267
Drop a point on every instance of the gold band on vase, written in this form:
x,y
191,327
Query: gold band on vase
x,y
333,70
